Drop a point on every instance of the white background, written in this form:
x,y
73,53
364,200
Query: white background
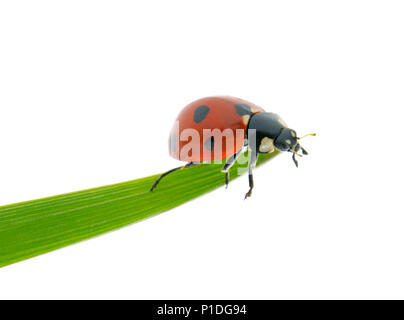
x,y
90,89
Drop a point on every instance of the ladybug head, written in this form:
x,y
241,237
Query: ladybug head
x,y
287,140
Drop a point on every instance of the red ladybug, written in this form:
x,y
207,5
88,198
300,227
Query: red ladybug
x,y
217,128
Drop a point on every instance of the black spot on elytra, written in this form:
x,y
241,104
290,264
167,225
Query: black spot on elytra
x,y
243,109
200,113
209,143
173,143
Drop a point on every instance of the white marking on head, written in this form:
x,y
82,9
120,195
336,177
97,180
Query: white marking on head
x,y
288,141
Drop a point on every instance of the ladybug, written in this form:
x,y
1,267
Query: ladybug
x,y
223,127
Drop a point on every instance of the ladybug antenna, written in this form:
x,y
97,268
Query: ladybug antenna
x,y
309,134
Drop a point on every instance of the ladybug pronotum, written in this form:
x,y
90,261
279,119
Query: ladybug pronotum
x,y
223,127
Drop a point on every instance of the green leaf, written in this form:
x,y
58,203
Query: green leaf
x,y
34,227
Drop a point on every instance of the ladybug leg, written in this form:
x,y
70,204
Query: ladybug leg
x,y
251,164
294,160
229,163
188,165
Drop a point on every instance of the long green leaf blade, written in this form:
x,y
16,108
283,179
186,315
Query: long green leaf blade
x,y
35,227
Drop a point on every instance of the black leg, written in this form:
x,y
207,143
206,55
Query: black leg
x,y
251,164
229,163
251,184
295,161
188,165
